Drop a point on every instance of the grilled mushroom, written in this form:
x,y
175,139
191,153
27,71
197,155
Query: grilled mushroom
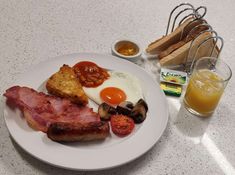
x,y
138,113
125,108
105,111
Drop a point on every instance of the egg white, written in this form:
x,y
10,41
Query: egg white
x,y
122,80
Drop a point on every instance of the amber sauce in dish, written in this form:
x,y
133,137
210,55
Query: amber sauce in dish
x,y
127,48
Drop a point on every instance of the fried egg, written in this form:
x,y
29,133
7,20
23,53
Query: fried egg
x,y
119,87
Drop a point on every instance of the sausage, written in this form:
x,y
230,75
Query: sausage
x,y
71,132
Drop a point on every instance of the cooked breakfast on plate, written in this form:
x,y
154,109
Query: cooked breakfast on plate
x,y
65,115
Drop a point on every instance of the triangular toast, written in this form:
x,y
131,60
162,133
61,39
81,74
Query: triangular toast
x,y
163,43
180,55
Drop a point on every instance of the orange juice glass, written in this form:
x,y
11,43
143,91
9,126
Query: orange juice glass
x,y
206,86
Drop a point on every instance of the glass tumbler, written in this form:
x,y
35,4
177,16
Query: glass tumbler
x,y
206,85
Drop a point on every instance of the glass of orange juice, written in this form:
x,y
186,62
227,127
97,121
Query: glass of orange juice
x,y
206,86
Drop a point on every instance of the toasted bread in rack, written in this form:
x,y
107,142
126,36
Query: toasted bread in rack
x,y
65,84
179,55
163,43
173,48
182,42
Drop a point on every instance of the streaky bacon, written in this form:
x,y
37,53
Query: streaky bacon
x,y
40,109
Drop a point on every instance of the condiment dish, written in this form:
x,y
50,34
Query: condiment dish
x,y
126,49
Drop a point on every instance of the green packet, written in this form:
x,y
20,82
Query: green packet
x,y
171,89
173,76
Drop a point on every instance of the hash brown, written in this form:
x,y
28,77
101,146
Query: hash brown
x,y
65,84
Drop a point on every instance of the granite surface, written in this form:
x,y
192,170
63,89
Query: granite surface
x,y
34,31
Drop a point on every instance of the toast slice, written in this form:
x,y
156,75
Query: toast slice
x,y
65,84
180,55
160,45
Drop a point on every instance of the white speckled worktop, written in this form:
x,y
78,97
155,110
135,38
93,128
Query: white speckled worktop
x,y
33,31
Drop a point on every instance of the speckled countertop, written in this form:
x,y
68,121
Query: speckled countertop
x,y
33,31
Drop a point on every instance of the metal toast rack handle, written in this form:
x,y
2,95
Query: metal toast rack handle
x,y
197,21
191,58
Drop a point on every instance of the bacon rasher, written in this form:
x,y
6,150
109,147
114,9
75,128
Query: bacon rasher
x,y
40,110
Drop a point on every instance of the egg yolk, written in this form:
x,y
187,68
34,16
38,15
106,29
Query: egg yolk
x,y
112,95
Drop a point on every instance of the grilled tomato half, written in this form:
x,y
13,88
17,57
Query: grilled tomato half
x,y
122,125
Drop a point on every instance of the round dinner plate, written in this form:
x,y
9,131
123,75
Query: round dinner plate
x,y
95,155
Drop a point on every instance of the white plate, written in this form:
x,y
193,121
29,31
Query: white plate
x,y
109,153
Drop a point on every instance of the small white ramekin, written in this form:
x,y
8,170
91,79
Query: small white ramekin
x,y
132,58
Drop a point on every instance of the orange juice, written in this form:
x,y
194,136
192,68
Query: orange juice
x,y
203,92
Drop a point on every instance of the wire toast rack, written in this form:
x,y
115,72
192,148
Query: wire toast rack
x,y
194,15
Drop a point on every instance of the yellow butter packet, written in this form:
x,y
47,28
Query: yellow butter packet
x,y
171,89
173,76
